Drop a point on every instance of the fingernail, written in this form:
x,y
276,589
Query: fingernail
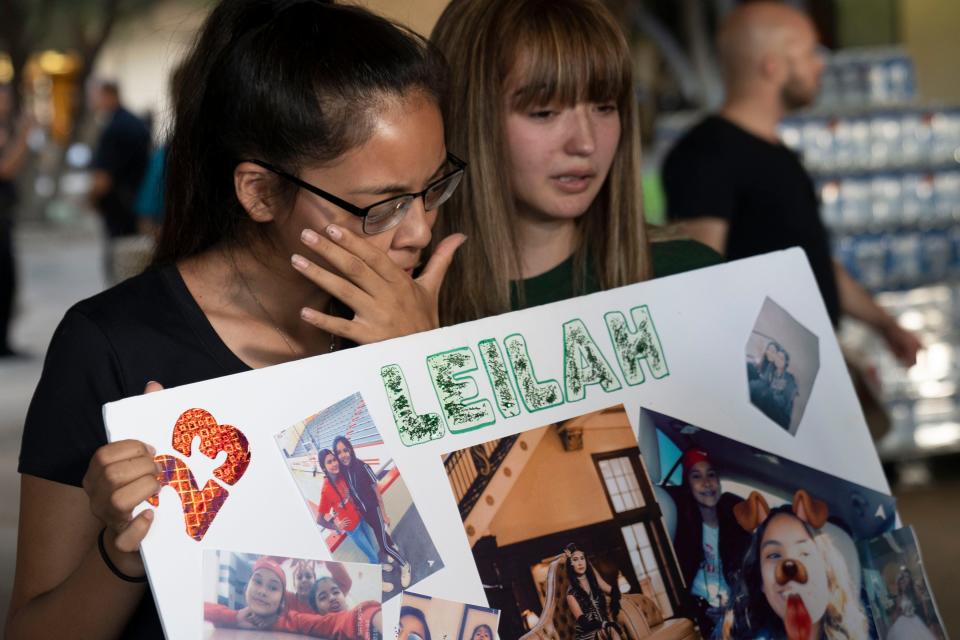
x,y
148,514
334,231
151,450
306,313
299,261
309,236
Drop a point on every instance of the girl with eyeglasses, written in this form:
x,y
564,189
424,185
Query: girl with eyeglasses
x,y
305,168
544,107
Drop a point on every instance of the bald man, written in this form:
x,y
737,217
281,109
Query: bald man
x,y
733,185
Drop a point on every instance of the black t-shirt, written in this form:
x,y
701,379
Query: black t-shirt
x,y
107,348
760,188
123,152
8,189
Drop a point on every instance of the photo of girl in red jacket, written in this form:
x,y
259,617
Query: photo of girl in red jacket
x,y
265,609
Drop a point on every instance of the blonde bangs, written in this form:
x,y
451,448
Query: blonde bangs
x,y
561,54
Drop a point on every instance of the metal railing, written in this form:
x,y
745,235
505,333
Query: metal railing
x,y
470,470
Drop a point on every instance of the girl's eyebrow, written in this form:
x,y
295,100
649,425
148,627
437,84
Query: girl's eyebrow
x,y
387,189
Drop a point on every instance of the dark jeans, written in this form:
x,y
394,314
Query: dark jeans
x,y
374,518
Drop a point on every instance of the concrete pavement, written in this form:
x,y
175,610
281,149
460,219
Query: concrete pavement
x,y
57,267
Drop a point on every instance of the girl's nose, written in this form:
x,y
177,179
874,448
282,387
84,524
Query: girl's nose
x,y
788,570
414,231
582,140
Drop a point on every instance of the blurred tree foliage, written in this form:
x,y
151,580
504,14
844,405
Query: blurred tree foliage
x,y
79,26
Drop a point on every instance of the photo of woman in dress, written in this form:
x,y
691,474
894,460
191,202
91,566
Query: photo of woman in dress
x,y
908,619
708,541
587,595
773,388
365,490
339,510
793,583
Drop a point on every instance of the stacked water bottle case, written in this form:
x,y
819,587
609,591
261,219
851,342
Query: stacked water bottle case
x,y
888,174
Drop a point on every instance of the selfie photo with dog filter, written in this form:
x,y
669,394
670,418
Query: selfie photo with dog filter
x,y
767,546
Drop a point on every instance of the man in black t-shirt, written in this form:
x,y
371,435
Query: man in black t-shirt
x,y
119,163
733,185
13,152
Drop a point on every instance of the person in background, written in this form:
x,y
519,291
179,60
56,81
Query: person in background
x,y
119,163
736,187
149,203
13,152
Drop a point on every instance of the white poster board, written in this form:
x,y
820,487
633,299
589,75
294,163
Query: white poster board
x,y
470,384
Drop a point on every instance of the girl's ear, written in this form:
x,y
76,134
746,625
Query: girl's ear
x,y
252,184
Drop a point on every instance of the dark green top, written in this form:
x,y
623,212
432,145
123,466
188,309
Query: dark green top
x,y
670,257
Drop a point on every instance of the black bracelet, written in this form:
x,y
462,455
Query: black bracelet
x,y
113,568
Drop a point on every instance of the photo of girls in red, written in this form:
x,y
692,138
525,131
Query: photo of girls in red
x,y
356,496
276,597
768,548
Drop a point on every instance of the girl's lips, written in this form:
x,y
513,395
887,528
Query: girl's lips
x,y
572,183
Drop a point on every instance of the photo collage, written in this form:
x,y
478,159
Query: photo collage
x,y
581,527
613,524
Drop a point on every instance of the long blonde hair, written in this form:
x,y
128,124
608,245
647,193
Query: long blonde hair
x,y
562,51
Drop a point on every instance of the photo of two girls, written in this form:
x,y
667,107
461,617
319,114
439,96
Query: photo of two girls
x,y
356,496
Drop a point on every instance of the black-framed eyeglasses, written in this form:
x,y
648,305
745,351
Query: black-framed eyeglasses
x,y
386,214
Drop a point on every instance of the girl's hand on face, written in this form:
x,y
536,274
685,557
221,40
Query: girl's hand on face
x,y
386,300
121,475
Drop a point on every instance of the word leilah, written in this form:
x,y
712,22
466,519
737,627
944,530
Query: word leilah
x,y
514,380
